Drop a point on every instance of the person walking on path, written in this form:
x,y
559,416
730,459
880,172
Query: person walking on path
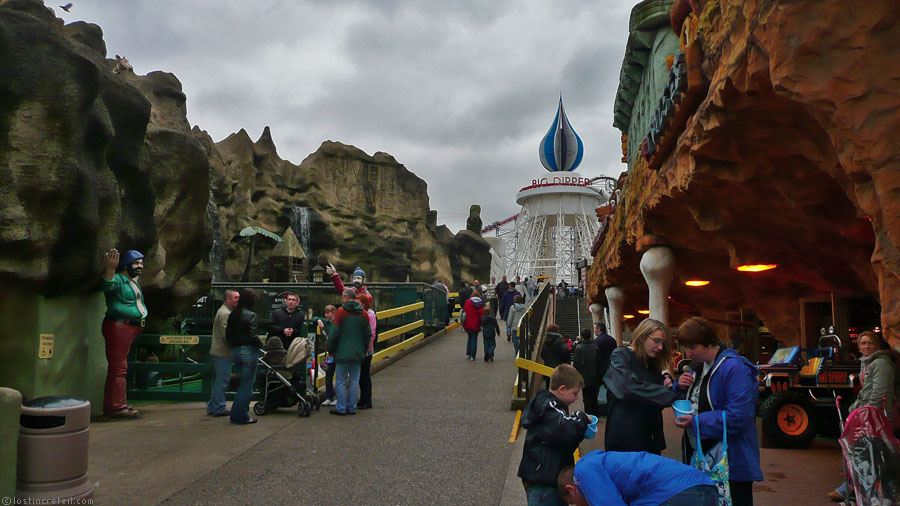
x,y
623,478
474,308
125,317
531,286
552,436
638,392
287,322
499,291
605,345
554,352
241,334
516,312
489,331
725,382
348,345
220,355
588,362
520,287
365,374
508,300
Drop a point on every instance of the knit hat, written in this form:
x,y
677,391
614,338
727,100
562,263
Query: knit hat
x,y
129,257
359,272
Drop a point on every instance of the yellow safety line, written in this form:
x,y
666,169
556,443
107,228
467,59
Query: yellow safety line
x,y
453,326
400,330
387,313
381,355
515,429
532,366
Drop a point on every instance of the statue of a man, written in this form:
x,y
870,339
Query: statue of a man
x,y
124,320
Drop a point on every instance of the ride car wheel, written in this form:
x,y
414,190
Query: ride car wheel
x,y
787,419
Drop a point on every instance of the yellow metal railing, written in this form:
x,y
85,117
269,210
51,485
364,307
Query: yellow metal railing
x,y
382,354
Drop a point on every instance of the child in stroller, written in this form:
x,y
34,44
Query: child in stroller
x,y
282,378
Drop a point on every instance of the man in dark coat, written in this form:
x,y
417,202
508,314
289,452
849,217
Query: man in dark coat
x,y
588,362
605,346
499,291
287,321
509,298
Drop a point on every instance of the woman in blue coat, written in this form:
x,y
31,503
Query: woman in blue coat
x,y
723,381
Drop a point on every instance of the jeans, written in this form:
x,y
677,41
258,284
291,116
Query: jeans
x,y
346,397
700,495
515,340
589,394
244,358
365,381
329,381
490,344
222,366
543,495
118,337
472,343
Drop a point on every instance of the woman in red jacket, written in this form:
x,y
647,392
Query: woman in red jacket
x,y
474,308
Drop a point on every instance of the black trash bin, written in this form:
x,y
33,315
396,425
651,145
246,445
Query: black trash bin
x,y
53,449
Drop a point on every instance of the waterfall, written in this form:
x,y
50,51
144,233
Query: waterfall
x,y
300,226
216,253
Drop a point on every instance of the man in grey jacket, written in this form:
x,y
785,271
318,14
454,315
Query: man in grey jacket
x,y
220,354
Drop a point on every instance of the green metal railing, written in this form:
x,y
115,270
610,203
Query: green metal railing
x,y
183,371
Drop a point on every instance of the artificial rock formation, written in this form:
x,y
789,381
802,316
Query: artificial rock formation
x,y
91,160
362,210
789,159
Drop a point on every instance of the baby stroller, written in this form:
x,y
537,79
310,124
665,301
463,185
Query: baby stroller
x,y
872,457
282,378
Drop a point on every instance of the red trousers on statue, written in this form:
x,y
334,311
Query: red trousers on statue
x,y
118,337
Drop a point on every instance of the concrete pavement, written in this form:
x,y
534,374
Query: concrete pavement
x,y
438,434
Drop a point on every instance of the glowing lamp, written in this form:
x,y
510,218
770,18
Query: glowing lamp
x,y
628,316
756,267
644,311
696,282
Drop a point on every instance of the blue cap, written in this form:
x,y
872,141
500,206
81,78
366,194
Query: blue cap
x,y
359,272
129,256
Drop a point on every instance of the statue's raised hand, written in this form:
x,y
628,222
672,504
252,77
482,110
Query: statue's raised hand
x,y
330,270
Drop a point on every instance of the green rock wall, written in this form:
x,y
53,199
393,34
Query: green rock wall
x,y
78,365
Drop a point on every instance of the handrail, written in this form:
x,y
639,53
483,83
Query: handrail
x,y
400,330
531,365
381,355
388,313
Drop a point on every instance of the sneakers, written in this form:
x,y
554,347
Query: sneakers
x,y
329,402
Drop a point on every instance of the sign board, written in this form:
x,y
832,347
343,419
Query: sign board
x,y
46,347
179,339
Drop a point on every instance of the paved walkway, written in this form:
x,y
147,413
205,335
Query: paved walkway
x,y
438,434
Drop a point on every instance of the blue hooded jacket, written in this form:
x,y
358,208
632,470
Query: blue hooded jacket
x,y
633,478
734,388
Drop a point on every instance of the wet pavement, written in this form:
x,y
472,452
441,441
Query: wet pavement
x,y
438,434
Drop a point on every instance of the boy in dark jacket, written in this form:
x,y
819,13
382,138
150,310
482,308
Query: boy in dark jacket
x,y
552,437
348,344
588,362
489,329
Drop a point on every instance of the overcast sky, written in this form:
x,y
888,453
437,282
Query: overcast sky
x,y
460,92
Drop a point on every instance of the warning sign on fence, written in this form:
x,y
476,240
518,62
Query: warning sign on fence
x,y
179,339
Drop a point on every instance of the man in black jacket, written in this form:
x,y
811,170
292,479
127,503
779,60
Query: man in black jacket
x,y
588,362
605,346
499,290
287,321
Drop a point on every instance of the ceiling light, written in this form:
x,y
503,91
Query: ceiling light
x,y
696,282
756,267
628,316
644,311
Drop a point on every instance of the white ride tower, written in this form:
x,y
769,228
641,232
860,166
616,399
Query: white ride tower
x,y
557,223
